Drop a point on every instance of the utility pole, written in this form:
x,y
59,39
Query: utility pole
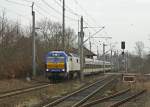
x,y
90,42
79,39
111,60
126,61
104,57
33,42
63,26
118,62
81,51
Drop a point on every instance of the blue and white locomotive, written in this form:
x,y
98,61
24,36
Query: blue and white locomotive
x,y
60,64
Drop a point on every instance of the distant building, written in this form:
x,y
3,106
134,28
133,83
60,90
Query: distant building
x,y
87,53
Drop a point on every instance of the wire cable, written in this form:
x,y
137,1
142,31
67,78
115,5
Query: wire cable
x,y
70,18
51,7
40,13
24,16
43,10
86,12
27,1
17,3
67,8
58,11
87,25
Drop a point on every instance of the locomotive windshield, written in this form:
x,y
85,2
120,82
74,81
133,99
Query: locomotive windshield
x,y
55,58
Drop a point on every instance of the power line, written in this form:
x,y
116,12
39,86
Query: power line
x,y
57,3
85,12
41,9
51,7
27,1
89,26
89,30
45,11
71,11
68,17
24,16
17,3
95,33
38,12
67,8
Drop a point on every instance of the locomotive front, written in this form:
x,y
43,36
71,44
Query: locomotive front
x,y
56,64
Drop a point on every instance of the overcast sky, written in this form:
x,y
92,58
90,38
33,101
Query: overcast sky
x,y
124,20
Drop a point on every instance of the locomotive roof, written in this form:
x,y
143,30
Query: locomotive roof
x,y
75,52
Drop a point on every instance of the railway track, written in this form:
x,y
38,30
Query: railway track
x,y
115,100
77,98
22,90
89,104
132,96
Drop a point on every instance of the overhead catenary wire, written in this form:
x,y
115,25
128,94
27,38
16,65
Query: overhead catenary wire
x,y
88,26
49,6
57,10
67,8
36,9
45,11
71,11
19,14
17,3
86,13
27,1
46,3
88,16
68,17
94,34
40,13
94,28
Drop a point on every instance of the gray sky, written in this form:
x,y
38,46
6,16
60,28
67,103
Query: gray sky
x,y
125,20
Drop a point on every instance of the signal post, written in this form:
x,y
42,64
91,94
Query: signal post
x,y
123,55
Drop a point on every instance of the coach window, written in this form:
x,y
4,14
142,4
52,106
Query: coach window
x,y
77,61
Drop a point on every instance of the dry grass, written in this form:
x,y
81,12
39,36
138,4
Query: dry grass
x,y
28,99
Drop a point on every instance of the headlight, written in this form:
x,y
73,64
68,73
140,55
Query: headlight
x,y
47,69
63,69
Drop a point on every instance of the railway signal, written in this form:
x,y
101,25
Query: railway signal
x,y
124,60
123,45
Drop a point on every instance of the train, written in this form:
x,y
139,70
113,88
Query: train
x,y
60,64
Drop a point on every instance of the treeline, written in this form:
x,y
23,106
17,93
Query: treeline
x,y
16,45
138,64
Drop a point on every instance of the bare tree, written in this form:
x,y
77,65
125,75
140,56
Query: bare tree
x,y
16,45
51,33
139,48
